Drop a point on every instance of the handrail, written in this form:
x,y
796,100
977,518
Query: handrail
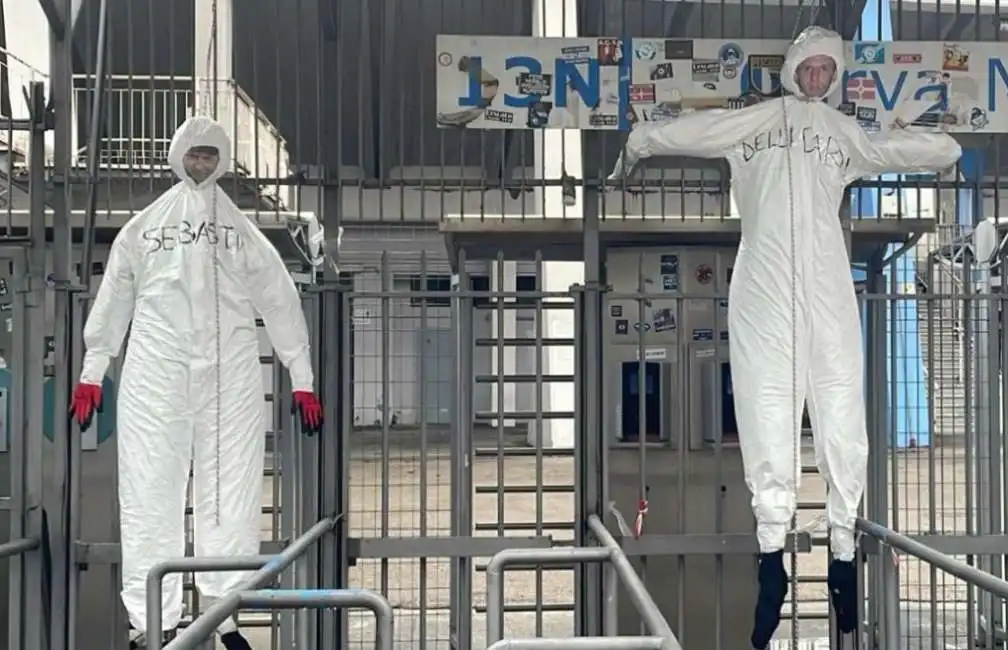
x,y
203,626
937,559
583,643
18,546
611,552
157,573
273,599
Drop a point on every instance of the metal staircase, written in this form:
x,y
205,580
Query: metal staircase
x,y
945,347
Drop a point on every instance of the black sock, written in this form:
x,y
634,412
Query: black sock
x,y
842,582
235,641
773,588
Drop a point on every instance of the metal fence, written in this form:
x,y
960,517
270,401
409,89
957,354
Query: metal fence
x,y
477,395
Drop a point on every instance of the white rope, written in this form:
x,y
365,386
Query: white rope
x,y
208,106
797,404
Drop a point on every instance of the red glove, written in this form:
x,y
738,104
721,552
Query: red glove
x,y
309,409
85,401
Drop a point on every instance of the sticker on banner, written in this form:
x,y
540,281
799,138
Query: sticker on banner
x,y
616,311
730,56
764,74
445,59
646,51
908,59
576,53
609,51
706,71
869,53
678,49
642,94
661,71
955,58
704,274
499,116
623,326
638,326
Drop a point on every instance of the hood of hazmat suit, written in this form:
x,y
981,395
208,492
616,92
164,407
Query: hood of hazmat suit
x,y
187,277
795,330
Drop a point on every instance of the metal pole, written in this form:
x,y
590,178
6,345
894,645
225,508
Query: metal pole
x,y
636,589
157,574
93,142
891,606
33,276
591,437
583,643
65,572
460,614
203,627
526,556
946,563
17,547
328,599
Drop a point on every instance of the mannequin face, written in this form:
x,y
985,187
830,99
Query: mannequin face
x,y
200,163
815,74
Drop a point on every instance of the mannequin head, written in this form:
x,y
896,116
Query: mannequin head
x,y
200,162
815,75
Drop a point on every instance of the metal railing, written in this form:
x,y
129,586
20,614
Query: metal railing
x,y
143,113
618,569
888,606
203,626
17,547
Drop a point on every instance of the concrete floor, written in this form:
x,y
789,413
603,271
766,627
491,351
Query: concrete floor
x,y
920,508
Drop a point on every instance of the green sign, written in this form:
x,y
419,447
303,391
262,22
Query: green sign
x,y
105,421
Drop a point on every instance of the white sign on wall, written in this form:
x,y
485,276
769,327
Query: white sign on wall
x,y
519,82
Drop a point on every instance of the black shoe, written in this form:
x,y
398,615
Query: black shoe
x,y
773,588
842,582
235,641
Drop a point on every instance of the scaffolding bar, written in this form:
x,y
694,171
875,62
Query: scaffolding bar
x,y
948,564
17,547
584,643
185,565
203,627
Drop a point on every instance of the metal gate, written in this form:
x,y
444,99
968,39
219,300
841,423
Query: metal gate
x,y
505,385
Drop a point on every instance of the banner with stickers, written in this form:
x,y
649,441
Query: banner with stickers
x,y
609,84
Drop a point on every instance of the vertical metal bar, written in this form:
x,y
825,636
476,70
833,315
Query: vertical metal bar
x,y
461,481
386,415
969,422
538,351
591,436
285,475
334,385
64,566
888,566
424,452
94,140
33,274
18,459
874,356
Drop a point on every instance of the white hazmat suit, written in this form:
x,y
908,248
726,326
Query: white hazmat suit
x,y
185,307
792,311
